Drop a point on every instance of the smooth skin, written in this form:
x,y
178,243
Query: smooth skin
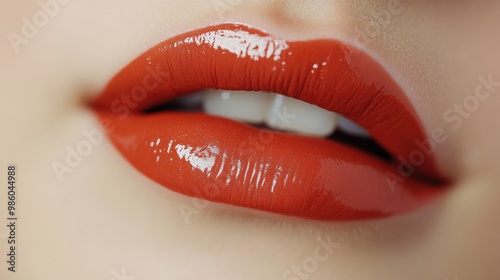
x,y
104,220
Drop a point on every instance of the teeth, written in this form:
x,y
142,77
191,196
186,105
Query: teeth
x,y
275,110
246,106
297,116
350,127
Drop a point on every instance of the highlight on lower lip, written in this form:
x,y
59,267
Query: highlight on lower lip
x,y
225,161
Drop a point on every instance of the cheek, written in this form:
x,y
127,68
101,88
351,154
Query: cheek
x,y
470,82
444,51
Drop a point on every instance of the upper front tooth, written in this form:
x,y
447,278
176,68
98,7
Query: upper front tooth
x,y
297,116
351,127
246,106
277,111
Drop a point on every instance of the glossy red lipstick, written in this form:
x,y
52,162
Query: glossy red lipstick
x,y
222,160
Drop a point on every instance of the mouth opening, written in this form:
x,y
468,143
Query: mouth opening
x,y
345,133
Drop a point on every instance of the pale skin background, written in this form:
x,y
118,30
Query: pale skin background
x,y
107,221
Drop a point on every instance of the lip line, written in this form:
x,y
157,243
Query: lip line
x,y
380,93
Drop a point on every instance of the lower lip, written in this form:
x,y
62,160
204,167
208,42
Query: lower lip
x,y
226,161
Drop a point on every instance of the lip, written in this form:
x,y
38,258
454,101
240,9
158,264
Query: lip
x,y
225,161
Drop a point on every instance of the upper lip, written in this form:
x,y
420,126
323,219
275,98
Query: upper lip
x,y
347,81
